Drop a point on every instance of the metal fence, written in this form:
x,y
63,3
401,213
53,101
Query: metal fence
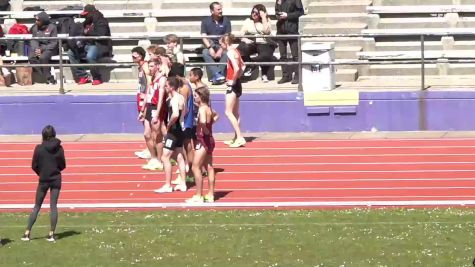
x,y
300,38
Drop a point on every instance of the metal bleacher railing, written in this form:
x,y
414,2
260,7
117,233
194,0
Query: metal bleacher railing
x,y
422,61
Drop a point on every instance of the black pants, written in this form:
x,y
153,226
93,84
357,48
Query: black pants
x,y
288,70
54,187
43,73
264,54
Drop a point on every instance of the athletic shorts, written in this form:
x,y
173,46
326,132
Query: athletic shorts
x,y
53,184
150,112
207,142
190,133
173,140
236,88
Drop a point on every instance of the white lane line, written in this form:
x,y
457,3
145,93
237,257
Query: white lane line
x,y
271,156
274,164
266,189
261,148
287,204
287,180
247,172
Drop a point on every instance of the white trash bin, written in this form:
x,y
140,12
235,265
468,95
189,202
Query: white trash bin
x,y
318,77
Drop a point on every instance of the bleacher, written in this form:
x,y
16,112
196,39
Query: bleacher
x,y
130,18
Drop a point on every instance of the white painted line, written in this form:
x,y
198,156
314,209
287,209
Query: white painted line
x,y
245,172
260,148
251,180
272,164
271,156
264,189
254,204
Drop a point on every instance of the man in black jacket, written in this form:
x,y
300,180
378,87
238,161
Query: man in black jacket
x,y
95,24
288,13
41,51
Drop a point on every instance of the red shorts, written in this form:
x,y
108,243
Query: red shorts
x,y
140,101
207,142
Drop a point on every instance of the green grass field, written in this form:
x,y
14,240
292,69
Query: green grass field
x,y
354,237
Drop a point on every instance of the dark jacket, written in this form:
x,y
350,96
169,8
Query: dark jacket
x,y
294,10
97,25
46,30
48,160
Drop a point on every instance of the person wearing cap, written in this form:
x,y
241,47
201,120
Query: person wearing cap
x,y
95,24
41,51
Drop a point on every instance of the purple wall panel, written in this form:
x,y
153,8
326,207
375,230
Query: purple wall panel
x,y
279,112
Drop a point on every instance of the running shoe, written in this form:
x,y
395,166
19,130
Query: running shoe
x,y
209,198
153,165
230,142
195,200
164,189
25,238
144,154
188,179
180,187
50,238
238,143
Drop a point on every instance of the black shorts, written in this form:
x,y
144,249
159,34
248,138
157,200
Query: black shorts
x,y
173,140
149,112
236,88
190,133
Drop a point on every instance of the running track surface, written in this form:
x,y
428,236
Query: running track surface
x,y
264,174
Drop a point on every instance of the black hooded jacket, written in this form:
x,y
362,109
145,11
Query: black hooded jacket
x,y
48,160
97,25
47,29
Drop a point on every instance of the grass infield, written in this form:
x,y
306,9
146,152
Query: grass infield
x,y
345,237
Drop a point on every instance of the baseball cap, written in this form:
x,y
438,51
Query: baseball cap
x,y
87,9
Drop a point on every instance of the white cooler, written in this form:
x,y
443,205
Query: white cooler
x,y
318,77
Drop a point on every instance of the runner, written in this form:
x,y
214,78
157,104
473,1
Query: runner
x,y
234,72
204,146
174,138
48,162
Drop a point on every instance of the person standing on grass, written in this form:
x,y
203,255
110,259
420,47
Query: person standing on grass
x,y
48,162
204,146
234,71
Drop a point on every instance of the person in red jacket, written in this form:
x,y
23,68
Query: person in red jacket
x,y
48,162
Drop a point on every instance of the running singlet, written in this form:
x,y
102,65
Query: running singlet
x,y
141,90
176,128
230,69
162,111
207,141
190,110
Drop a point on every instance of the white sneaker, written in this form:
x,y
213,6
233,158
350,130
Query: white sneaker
x,y
180,187
264,79
164,189
144,154
153,165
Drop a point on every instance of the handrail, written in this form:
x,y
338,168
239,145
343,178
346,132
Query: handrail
x,y
300,63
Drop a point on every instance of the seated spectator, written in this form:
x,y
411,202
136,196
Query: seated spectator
x,y
257,24
41,51
3,43
95,24
215,24
176,56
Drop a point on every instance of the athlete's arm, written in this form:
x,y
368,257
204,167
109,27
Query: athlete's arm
x,y
161,96
175,112
214,116
202,120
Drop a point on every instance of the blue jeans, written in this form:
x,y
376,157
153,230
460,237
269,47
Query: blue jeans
x,y
212,70
92,55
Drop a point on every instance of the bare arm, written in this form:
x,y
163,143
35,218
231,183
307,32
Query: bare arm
x,y
202,120
175,113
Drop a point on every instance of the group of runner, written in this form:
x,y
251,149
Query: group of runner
x,y
178,119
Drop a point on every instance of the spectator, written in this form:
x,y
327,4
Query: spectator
x,y
95,24
175,55
288,13
216,24
4,5
41,51
3,43
260,24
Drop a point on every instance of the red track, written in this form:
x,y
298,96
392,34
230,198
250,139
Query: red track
x,y
317,173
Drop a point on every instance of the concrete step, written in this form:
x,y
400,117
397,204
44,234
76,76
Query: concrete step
x,y
339,41
401,70
333,18
204,4
461,69
346,75
100,5
347,52
339,28
405,23
190,26
408,46
348,6
413,2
